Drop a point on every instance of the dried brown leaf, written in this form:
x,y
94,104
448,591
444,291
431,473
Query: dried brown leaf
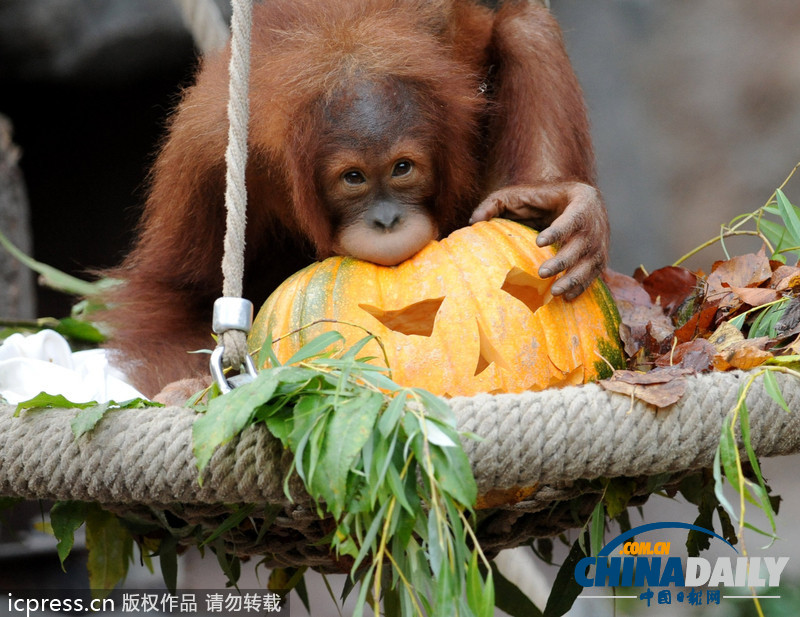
x,y
789,323
698,325
743,355
670,287
697,355
785,277
644,327
659,387
625,288
726,335
755,296
748,270
793,348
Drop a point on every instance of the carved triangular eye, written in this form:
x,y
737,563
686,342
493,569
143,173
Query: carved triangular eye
x,y
417,318
527,288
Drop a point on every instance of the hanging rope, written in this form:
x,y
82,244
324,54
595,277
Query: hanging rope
x,y
233,337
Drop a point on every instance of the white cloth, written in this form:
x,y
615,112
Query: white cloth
x,y
43,362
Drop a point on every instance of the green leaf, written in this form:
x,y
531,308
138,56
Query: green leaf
x,y
65,519
317,415
350,427
369,538
729,454
45,401
480,594
437,436
406,522
358,611
110,547
391,602
380,380
446,592
774,390
79,330
376,456
87,419
617,495
776,234
315,347
436,546
231,522
565,588
230,564
766,320
790,361
598,528
718,486
168,559
543,549
266,354
728,529
436,407
53,277
360,450
789,215
300,587
399,490
49,401
229,414
510,599
306,413
760,490
455,476
350,354
738,321
288,579
392,414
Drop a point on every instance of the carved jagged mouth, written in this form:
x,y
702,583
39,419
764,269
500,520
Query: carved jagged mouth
x,y
418,318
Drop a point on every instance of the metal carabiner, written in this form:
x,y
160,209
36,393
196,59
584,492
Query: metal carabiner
x,y
218,373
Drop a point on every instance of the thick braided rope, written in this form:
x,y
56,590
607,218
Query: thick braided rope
x,y
204,20
531,439
235,341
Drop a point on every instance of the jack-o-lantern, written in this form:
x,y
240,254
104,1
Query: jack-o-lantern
x,y
467,314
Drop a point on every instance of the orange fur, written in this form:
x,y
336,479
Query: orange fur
x,y
496,99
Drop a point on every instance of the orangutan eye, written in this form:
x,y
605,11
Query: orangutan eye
x,y
402,168
353,177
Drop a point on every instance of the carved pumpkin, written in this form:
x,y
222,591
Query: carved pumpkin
x,y
467,314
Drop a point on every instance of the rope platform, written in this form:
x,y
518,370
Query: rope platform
x,y
536,453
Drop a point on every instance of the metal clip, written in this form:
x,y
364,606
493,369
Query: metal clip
x,y
217,372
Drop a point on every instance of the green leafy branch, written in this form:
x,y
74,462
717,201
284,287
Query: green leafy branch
x,y
74,327
384,462
779,237
728,461
782,238
728,458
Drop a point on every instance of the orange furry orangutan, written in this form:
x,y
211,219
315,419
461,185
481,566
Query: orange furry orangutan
x,y
376,126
